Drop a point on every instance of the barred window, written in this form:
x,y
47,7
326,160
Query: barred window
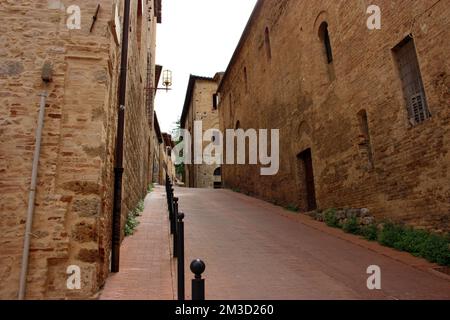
x,y
412,85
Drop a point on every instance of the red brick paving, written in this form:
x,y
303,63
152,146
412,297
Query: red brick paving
x,y
145,266
252,252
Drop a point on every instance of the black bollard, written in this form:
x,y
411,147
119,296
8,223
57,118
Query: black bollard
x,y
170,207
167,184
168,187
174,226
168,200
198,284
172,216
180,274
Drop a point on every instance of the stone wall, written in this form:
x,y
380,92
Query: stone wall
x,y
200,108
73,207
288,85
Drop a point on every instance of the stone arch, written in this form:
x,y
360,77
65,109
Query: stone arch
x,y
322,17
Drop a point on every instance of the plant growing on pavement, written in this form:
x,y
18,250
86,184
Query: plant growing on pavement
x,y
132,219
421,243
293,208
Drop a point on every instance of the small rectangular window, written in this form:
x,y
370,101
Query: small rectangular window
x,y
215,101
412,85
365,144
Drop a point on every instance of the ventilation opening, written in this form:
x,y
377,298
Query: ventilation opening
x,y
365,145
267,43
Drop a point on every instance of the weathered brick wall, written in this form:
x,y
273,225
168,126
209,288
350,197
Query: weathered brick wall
x,y
292,91
72,220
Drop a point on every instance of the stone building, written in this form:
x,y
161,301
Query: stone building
x,y
363,114
201,104
75,174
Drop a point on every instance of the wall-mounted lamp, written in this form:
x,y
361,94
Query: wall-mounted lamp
x,y
166,80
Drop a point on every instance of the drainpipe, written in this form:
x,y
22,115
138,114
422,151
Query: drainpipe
x,y
31,198
118,169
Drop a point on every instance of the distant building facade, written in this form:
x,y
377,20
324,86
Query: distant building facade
x,y
363,114
201,105
74,195
162,164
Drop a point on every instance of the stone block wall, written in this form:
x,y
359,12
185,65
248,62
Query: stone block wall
x,y
201,109
73,206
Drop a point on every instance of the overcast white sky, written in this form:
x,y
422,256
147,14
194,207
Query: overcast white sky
x,y
195,37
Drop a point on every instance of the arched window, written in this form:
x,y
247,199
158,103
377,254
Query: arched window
x,y
325,38
267,43
218,172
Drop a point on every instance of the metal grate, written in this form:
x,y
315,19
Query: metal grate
x,y
412,84
418,109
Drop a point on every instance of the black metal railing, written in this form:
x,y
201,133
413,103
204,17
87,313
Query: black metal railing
x,y
197,266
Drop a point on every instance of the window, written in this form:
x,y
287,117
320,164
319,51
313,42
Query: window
x,y
325,38
216,138
267,43
412,85
365,145
215,101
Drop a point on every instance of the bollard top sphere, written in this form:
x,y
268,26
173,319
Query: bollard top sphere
x,y
175,199
198,267
180,216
